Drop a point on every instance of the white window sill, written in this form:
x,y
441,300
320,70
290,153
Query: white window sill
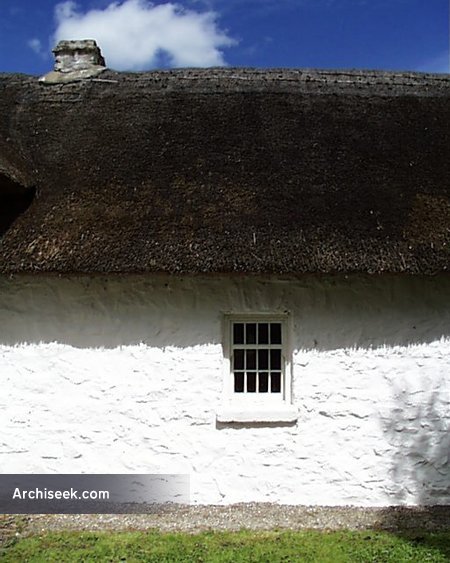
x,y
282,413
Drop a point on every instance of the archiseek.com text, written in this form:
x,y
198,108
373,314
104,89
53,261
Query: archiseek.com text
x,y
49,494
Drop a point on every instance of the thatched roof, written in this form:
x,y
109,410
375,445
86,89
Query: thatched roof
x,y
226,170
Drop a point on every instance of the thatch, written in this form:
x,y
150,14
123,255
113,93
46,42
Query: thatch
x,y
228,170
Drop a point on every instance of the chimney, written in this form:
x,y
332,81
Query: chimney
x,y
75,60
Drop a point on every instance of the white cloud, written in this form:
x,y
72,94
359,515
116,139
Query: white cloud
x,y
137,35
36,45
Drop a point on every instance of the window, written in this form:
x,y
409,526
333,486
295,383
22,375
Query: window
x,y
257,356
257,378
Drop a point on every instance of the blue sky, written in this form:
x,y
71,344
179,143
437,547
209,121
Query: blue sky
x,y
138,34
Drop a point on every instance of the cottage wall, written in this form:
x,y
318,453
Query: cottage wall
x,y
124,375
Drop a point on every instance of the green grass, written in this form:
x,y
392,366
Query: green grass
x,y
233,547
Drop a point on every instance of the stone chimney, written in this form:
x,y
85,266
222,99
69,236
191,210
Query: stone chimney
x,y
75,60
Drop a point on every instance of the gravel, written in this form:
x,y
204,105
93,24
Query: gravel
x,y
254,516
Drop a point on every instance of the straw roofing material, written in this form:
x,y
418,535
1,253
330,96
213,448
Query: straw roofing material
x,y
227,170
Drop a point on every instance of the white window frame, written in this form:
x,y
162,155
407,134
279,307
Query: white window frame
x,y
257,407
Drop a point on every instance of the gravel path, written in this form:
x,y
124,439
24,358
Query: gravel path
x,y
253,516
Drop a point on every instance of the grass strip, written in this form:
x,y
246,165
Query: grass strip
x,y
233,547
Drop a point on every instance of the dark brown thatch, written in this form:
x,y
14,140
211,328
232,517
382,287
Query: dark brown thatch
x,y
227,170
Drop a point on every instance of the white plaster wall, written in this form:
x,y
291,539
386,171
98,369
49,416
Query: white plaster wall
x,y
124,375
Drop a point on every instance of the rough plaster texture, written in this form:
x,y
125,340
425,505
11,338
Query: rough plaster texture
x,y
124,375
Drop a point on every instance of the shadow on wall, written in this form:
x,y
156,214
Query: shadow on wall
x,y
418,429
333,313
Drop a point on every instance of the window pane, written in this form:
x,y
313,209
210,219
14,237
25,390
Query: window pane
x,y
263,333
275,382
251,359
263,359
238,357
238,333
256,350
251,382
239,382
275,359
275,333
250,329
263,382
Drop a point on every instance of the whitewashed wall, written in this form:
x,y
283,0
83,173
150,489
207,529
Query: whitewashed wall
x,y
124,375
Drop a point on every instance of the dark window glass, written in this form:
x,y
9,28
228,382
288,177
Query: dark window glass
x,y
238,382
251,359
263,359
275,333
275,359
275,382
259,368
238,360
250,330
263,382
238,333
263,333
